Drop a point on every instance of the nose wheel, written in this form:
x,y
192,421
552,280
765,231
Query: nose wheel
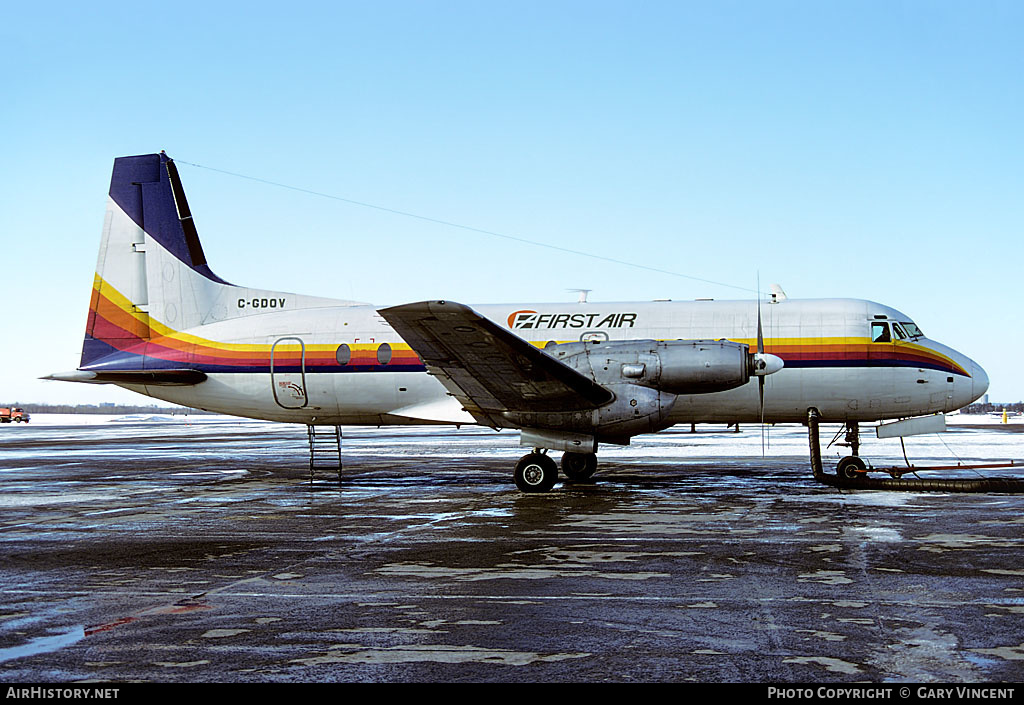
x,y
851,467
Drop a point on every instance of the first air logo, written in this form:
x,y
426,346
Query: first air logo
x,y
521,320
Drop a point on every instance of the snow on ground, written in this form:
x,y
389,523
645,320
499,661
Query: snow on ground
x,y
969,438
100,419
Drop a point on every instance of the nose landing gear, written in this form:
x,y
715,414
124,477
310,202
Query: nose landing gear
x,y
851,467
851,472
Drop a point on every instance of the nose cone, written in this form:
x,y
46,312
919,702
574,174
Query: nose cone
x,y
969,383
979,381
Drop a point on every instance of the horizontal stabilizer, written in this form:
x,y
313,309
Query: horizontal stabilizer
x,y
160,378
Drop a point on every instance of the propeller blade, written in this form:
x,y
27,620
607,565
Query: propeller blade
x,y
760,391
760,333
762,361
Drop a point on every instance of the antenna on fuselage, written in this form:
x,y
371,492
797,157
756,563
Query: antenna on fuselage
x,y
583,295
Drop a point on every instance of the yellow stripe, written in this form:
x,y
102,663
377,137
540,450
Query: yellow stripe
x,y
165,332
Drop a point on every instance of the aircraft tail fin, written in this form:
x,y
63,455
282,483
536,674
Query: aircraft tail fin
x,y
152,279
151,271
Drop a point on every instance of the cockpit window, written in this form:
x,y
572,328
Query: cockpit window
x,y
912,330
897,329
880,332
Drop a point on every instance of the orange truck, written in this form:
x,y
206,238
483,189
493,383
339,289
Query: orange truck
x,y
11,413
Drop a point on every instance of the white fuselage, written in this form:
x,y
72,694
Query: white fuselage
x,y
831,362
163,324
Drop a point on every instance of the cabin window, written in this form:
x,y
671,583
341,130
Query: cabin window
x,y
344,354
384,354
880,332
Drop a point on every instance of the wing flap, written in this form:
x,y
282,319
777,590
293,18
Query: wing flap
x,y
489,369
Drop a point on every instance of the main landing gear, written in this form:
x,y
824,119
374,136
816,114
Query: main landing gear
x,y
537,471
579,467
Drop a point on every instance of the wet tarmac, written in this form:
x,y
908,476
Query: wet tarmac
x,y
159,550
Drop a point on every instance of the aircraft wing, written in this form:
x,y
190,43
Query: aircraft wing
x,y
487,368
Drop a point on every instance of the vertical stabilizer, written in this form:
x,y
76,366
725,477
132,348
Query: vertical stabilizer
x,y
151,272
153,283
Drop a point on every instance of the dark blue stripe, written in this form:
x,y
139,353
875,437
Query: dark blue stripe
x,y
119,361
125,180
880,362
123,361
282,369
93,350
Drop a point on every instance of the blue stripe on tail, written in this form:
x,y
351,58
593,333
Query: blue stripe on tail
x,y
148,189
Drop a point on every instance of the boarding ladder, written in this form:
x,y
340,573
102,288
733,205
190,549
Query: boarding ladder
x,y
324,449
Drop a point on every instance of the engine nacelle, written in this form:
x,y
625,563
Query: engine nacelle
x,y
635,409
646,376
673,366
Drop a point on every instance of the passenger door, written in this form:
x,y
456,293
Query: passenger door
x,y
288,372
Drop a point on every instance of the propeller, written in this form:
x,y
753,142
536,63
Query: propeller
x,y
764,363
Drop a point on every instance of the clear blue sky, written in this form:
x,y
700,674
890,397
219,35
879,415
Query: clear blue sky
x,y
862,149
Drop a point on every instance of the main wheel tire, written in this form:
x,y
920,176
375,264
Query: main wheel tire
x,y
579,467
536,472
851,468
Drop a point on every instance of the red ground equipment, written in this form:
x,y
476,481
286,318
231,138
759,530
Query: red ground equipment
x,y
10,414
